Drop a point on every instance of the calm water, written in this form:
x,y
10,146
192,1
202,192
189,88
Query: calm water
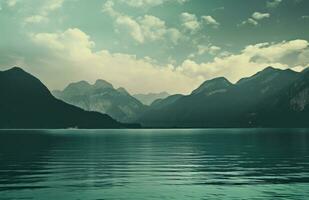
x,y
154,164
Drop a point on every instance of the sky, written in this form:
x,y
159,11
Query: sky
x,y
152,45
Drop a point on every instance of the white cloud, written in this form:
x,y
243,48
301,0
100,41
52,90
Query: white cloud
x,y
252,59
203,49
190,21
142,29
11,3
35,19
256,16
273,3
211,21
149,3
250,21
127,24
153,27
72,53
260,16
52,5
45,10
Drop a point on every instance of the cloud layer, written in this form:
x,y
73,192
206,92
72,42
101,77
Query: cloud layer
x,y
72,53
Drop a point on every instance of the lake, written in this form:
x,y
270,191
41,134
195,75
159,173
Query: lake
x,y
154,164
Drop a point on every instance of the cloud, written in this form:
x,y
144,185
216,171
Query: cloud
x,y
72,53
11,3
190,21
273,3
256,16
35,19
252,59
211,21
141,29
260,16
45,10
305,17
203,49
149,3
218,8
127,24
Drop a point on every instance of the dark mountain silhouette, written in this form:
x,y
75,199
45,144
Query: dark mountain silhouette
x,y
102,97
270,98
26,103
148,99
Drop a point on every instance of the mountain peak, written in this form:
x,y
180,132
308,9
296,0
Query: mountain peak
x,y
15,69
267,74
26,103
212,85
80,87
270,69
79,84
122,90
102,84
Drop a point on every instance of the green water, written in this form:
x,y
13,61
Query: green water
x,y
154,164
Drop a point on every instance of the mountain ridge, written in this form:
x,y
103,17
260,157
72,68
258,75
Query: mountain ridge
x,y
26,103
102,97
247,103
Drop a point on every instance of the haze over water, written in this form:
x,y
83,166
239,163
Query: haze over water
x,y
154,164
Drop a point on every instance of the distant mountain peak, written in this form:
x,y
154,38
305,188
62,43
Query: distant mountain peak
x,y
149,98
102,84
122,90
27,103
212,85
80,85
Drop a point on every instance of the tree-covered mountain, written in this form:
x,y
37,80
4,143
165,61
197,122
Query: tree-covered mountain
x,y
148,99
270,98
26,103
102,97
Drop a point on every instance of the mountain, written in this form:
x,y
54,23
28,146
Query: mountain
x,y
270,98
215,85
160,103
102,97
26,103
148,99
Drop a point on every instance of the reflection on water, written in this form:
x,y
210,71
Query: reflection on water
x,y
154,164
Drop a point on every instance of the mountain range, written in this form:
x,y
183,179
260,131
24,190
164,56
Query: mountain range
x,y
270,98
102,97
26,103
148,99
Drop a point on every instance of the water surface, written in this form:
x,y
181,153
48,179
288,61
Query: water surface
x,y
154,164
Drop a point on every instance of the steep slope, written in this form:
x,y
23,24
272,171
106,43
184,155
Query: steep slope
x,y
148,99
102,97
160,103
257,101
289,107
26,103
